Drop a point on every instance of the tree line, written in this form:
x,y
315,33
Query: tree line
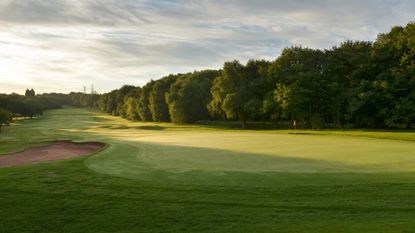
x,y
355,84
31,104
179,98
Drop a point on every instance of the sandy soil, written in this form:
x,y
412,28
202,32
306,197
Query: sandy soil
x,y
57,150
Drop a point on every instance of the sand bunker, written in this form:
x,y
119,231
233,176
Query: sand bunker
x,y
57,150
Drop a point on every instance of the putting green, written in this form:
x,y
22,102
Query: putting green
x,y
253,152
197,149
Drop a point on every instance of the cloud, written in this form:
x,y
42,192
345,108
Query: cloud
x,y
62,45
92,12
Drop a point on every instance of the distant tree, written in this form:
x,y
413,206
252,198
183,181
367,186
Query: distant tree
x,y
30,93
108,103
102,103
32,108
54,100
5,117
22,106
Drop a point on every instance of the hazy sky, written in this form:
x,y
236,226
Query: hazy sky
x,y
63,45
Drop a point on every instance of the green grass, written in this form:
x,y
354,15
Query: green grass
x,y
167,178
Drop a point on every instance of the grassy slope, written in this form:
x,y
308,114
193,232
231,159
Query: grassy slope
x,y
195,179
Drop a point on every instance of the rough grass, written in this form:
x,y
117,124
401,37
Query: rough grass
x,y
166,178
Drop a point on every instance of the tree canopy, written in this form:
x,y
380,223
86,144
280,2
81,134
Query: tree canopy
x,y
355,84
5,117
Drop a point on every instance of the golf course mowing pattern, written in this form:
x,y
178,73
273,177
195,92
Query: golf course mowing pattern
x,y
158,177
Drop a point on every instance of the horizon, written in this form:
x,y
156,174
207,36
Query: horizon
x,y
63,46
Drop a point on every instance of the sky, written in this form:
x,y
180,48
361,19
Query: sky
x,y
64,45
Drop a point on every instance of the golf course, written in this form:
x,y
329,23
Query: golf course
x,y
161,177
168,116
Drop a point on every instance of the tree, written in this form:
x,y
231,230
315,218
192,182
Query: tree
x,y
237,94
402,113
189,96
30,93
143,102
5,117
299,73
102,103
157,101
305,99
32,108
131,104
108,102
229,93
275,104
259,85
120,98
346,66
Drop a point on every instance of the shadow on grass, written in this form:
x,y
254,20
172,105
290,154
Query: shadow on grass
x,y
150,127
144,127
153,162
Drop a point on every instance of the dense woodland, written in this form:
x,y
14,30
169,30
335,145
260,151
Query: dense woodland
x,y
356,84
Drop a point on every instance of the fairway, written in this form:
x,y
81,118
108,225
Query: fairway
x,y
160,177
